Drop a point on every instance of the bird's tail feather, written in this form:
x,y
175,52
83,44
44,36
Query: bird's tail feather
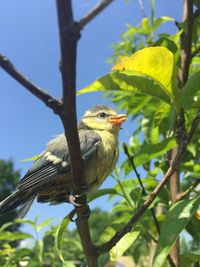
x,y
15,200
23,210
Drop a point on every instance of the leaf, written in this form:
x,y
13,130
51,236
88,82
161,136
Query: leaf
x,y
191,88
151,151
169,44
157,22
188,259
107,234
101,192
156,62
13,236
176,220
153,66
125,242
146,25
8,224
32,158
58,237
130,81
44,223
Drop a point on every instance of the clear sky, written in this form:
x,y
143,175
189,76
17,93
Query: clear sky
x,y
29,38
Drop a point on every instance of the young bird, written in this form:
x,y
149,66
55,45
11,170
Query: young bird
x,y
50,177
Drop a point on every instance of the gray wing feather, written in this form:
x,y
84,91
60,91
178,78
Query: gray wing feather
x,y
44,171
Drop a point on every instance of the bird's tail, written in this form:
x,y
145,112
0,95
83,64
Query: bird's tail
x,y
17,199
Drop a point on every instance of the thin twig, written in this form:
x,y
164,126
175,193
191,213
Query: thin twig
x,y
184,194
131,160
49,101
94,12
141,5
173,168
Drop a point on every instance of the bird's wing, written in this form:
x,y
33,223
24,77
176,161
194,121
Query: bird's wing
x,y
55,160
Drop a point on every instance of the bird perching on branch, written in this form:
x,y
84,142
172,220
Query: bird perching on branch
x,y
50,177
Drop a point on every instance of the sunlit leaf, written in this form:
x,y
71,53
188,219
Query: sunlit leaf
x,y
32,158
151,151
44,223
176,220
146,25
169,44
107,234
156,62
125,242
157,22
58,238
13,236
130,81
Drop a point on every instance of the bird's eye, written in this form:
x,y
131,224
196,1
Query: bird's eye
x,y
102,114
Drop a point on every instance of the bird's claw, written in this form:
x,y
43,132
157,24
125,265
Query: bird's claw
x,y
72,199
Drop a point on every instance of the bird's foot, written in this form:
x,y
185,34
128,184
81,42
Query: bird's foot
x,y
72,199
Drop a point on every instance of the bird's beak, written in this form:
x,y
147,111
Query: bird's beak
x,y
118,119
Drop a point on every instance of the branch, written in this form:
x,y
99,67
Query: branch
x,y
69,34
49,101
186,43
172,169
94,12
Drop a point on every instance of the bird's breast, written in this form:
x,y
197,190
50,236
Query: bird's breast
x,y
103,163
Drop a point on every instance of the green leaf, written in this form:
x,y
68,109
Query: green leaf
x,y
8,224
157,22
166,42
125,242
32,158
9,236
44,223
130,81
146,26
176,220
151,151
191,88
188,259
58,237
100,193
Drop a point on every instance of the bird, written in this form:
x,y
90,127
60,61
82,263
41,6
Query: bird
x,y
50,180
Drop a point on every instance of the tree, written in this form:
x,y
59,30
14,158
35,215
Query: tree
x,y
159,87
9,179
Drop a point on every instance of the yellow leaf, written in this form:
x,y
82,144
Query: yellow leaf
x,y
156,62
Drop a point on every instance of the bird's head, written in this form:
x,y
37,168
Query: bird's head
x,y
102,118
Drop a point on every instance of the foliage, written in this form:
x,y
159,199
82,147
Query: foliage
x,y
37,250
143,82
136,84
9,179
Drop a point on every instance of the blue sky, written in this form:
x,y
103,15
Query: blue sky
x,y
29,37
